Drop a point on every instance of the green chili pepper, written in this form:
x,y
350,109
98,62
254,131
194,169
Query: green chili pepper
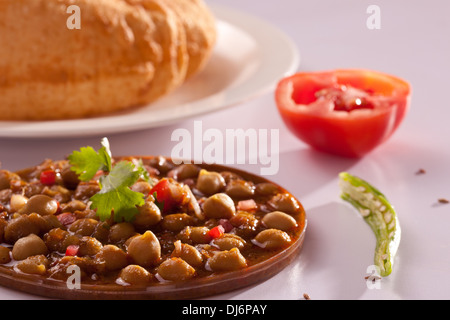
x,y
378,213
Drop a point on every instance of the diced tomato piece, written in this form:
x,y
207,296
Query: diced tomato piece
x,y
343,112
168,194
72,250
247,205
216,232
48,177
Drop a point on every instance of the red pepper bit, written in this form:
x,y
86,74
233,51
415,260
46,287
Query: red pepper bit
x,y
216,232
48,177
72,250
247,205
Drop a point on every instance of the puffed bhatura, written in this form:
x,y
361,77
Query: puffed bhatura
x,y
125,54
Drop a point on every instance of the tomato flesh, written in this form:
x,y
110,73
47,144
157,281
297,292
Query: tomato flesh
x,y
168,194
72,250
346,98
343,112
247,205
216,232
48,177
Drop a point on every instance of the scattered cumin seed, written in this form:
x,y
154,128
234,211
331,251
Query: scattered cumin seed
x,y
442,200
421,171
306,296
373,277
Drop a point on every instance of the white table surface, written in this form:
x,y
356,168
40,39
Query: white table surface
x,y
412,43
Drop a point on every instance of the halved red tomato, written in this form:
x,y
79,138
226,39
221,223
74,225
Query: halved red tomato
x,y
343,112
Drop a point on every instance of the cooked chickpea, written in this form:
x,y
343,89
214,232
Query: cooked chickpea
x,y
58,240
195,235
145,249
142,186
210,183
177,221
40,204
5,255
239,189
120,232
51,222
112,256
175,269
128,241
54,239
188,253
242,218
161,164
229,241
86,214
85,190
61,271
272,239
149,215
69,177
101,232
37,264
70,240
3,224
135,275
89,246
6,177
39,221
245,224
19,227
30,245
58,193
227,261
84,227
285,203
266,189
230,176
279,220
219,206
184,171
74,205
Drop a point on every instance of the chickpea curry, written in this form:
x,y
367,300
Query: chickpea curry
x,y
189,221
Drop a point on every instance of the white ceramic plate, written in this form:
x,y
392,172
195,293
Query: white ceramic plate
x,y
249,58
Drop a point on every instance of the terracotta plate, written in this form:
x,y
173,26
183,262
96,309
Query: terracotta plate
x,y
189,289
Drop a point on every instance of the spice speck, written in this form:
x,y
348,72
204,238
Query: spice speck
x,y
420,171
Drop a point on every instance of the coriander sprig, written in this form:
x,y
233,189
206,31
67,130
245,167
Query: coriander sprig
x,y
87,162
115,195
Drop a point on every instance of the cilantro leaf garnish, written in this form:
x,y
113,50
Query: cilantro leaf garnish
x,y
143,173
159,204
87,161
115,195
